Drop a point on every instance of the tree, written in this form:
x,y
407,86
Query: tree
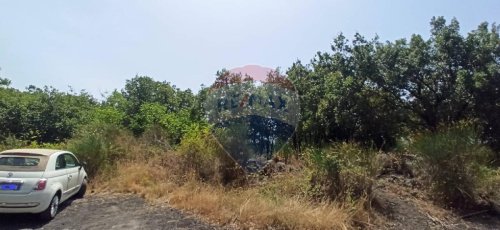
x,y
142,90
4,82
483,69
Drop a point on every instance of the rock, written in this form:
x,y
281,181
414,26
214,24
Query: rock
x,y
280,166
274,166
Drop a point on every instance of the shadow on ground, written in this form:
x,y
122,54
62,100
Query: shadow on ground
x,y
107,212
27,221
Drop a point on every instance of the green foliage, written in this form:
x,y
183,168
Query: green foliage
x,y
5,82
107,115
147,102
42,115
97,145
374,93
177,124
198,140
363,91
453,157
343,171
50,116
489,183
174,124
202,154
12,143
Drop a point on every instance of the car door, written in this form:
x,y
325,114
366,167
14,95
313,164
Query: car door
x,y
73,170
61,175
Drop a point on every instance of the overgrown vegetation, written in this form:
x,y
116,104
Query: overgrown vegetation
x,y
152,138
455,159
342,172
99,146
191,180
375,92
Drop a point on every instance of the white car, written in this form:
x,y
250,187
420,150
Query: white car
x,y
38,180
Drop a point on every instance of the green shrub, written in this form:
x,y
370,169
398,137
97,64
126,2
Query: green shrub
x,y
198,151
453,158
97,145
36,145
343,171
489,183
12,143
202,154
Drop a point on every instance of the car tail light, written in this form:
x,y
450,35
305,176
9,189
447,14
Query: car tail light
x,y
41,184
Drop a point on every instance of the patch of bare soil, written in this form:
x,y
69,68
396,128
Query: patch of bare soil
x,y
404,205
107,212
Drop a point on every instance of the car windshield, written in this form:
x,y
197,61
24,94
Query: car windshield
x,y
22,163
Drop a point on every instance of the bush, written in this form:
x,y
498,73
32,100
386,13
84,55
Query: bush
x,y
489,184
343,171
97,145
202,154
12,143
453,158
199,151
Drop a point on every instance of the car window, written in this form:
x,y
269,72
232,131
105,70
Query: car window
x,y
66,161
70,161
19,161
22,163
60,162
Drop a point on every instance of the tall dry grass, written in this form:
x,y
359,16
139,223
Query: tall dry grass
x,y
454,158
277,203
198,177
343,171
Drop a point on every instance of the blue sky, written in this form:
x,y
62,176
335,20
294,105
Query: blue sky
x,y
96,45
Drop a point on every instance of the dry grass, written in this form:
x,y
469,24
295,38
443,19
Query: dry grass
x,y
192,180
277,203
249,209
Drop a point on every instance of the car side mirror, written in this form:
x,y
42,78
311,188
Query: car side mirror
x,y
82,164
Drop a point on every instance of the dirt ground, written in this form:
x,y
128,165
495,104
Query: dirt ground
x,y
107,212
404,207
400,205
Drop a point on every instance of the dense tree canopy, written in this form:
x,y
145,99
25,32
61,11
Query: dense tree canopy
x,y
375,92
42,115
362,90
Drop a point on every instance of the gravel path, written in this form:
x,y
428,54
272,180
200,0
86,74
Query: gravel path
x,y
107,212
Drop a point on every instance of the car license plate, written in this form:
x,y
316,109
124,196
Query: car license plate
x,y
9,186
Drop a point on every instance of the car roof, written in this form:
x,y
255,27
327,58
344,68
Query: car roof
x,y
43,152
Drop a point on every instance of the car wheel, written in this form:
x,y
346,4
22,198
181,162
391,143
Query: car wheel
x,y
83,189
51,211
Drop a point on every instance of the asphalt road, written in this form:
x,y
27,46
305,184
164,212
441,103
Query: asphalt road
x,y
107,212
